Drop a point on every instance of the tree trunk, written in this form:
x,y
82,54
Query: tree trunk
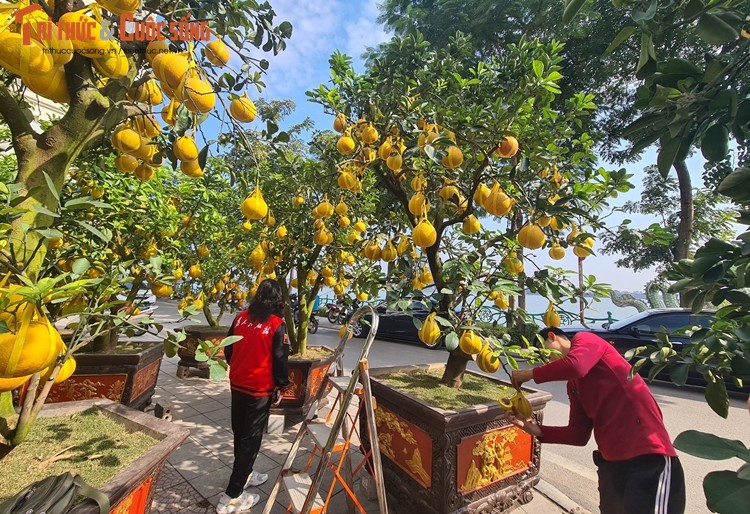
x,y
212,322
107,341
685,227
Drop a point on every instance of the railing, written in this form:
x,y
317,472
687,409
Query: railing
x,y
493,314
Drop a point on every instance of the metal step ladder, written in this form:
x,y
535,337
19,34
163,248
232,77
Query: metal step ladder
x,y
335,437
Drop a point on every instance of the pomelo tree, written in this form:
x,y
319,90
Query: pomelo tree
x,y
456,143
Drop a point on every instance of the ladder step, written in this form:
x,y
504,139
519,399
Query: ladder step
x,y
297,485
319,432
341,383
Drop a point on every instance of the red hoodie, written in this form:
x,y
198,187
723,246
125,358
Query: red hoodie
x,y
258,362
623,414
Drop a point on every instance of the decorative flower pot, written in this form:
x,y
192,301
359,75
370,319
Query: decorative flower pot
x,y
305,379
195,334
131,490
127,376
451,462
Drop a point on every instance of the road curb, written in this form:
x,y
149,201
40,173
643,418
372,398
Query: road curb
x,y
558,497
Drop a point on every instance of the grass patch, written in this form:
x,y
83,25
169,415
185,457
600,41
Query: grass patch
x,y
94,446
312,353
425,385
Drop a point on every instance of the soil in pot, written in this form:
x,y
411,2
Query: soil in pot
x,y
89,443
313,353
425,385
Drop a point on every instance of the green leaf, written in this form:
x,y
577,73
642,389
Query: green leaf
x,y
716,396
667,154
81,266
646,62
710,446
571,9
744,472
679,374
620,38
217,370
51,186
102,236
203,157
538,68
45,211
715,31
646,15
170,348
726,493
285,29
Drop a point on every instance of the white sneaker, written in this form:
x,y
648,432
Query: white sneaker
x,y
255,479
242,503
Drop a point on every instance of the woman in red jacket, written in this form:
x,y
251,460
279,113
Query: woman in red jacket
x,y
258,373
638,469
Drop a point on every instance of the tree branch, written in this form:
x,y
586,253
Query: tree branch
x,y
13,116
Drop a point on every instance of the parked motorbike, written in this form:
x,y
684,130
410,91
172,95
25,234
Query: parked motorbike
x,y
338,312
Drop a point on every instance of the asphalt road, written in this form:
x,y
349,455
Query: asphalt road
x,y
568,468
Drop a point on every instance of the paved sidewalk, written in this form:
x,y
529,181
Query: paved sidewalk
x,y
197,473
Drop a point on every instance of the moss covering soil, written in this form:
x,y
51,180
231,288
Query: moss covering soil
x,y
425,385
89,443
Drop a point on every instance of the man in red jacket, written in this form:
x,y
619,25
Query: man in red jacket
x,y
639,471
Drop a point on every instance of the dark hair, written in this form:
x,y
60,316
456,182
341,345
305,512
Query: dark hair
x,y
545,332
267,300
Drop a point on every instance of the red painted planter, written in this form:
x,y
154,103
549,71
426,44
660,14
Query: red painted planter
x,y
305,379
186,352
454,462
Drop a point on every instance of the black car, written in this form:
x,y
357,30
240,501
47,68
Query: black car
x,y
641,330
395,325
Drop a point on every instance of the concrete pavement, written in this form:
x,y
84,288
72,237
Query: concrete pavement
x,y
197,473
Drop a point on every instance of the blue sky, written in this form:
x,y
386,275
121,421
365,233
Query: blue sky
x,y
320,28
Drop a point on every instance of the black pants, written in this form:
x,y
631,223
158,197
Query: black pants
x,y
653,484
249,418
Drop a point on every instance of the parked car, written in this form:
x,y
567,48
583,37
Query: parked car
x,y
395,325
641,330
144,299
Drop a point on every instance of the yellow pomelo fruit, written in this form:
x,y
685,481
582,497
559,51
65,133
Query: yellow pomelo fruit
x,y
430,331
9,384
254,207
339,123
23,60
217,53
191,168
120,6
146,125
453,158
345,145
156,47
170,68
51,85
195,271
126,140
471,224
39,348
185,149
144,172
89,43
507,148
113,65
470,343
531,236
424,234
557,252
243,110
198,95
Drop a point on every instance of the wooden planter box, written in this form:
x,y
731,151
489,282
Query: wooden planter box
x,y
451,462
126,378
130,491
195,334
305,379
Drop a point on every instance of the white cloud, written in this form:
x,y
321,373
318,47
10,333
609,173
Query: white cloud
x,y
365,31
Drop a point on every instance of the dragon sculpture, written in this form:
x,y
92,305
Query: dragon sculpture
x,y
657,294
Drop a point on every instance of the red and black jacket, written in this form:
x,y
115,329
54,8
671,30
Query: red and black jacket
x,y
258,363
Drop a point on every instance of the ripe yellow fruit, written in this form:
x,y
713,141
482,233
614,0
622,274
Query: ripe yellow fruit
x,y
501,301
185,148
522,405
471,224
557,252
513,264
425,276
362,297
254,207
156,47
23,60
481,194
9,384
388,253
346,180
339,123
369,135
551,318
453,198
281,232
170,68
198,95
243,110
470,343
113,65
247,225
394,161
126,140
298,200
126,163
23,354
144,172
191,168
418,205
51,85
424,234
178,273
582,250
507,148
498,203
360,226
453,158
531,236
344,221
146,126
486,360
345,145
195,271
203,252
217,53
430,331
341,208
161,290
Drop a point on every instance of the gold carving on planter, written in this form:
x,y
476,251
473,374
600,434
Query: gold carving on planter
x,y
144,378
85,387
318,375
494,456
295,381
124,506
398,440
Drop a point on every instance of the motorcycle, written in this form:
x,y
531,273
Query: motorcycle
x,y
338,312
